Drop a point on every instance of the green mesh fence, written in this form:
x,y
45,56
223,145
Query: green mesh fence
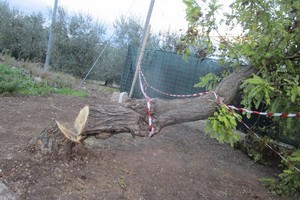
x,y
167,72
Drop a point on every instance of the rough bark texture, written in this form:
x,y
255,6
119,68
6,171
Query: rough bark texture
x,y
52,141
169,112
103,121
106,120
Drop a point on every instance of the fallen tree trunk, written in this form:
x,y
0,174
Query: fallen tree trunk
x,y
103,121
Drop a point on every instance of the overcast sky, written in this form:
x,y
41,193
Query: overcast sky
x,y
166,13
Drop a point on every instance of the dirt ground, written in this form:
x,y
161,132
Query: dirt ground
x,y
179,163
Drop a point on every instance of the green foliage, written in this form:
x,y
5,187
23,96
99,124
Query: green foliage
x,y
110,68
287,183
256,90
53,79
15,81
23,36
255,155
268,40
193,11
209,81
221,126
294,93
258,150
128,31
167,41
201,21
78,41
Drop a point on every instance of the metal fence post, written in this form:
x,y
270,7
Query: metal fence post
x,y
141,51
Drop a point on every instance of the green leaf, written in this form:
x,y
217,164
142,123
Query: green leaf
x,y
221,126
257,91
208,81
294,93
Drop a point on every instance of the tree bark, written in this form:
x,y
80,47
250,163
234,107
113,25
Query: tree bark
x,y
103,121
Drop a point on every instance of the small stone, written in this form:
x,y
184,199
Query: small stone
x,y
115,97
37,79
123,97
119,97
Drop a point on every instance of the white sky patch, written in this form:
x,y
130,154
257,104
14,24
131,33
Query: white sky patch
x,y
167,14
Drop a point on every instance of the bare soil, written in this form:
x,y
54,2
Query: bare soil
x,y
179,163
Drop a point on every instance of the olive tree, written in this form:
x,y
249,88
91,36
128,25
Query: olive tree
x,y
77,43
23,36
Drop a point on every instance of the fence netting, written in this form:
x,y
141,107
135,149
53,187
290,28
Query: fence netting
x,y
166,71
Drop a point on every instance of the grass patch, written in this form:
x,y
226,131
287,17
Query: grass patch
x,y
19,78
15,81
72,92
34,69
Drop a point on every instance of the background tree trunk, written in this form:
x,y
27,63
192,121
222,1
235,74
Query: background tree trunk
x,y
105,120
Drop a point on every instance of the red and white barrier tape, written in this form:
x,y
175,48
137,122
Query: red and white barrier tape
x,y
270,147
149,101
268,114
172,95
219,101
256,135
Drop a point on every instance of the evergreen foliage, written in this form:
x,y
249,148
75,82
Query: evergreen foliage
x,y
22,36
77,43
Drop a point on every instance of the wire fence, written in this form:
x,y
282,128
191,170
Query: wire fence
x,y
168,72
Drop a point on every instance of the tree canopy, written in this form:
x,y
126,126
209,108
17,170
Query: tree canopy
x,y
263,34
268,41
22,36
